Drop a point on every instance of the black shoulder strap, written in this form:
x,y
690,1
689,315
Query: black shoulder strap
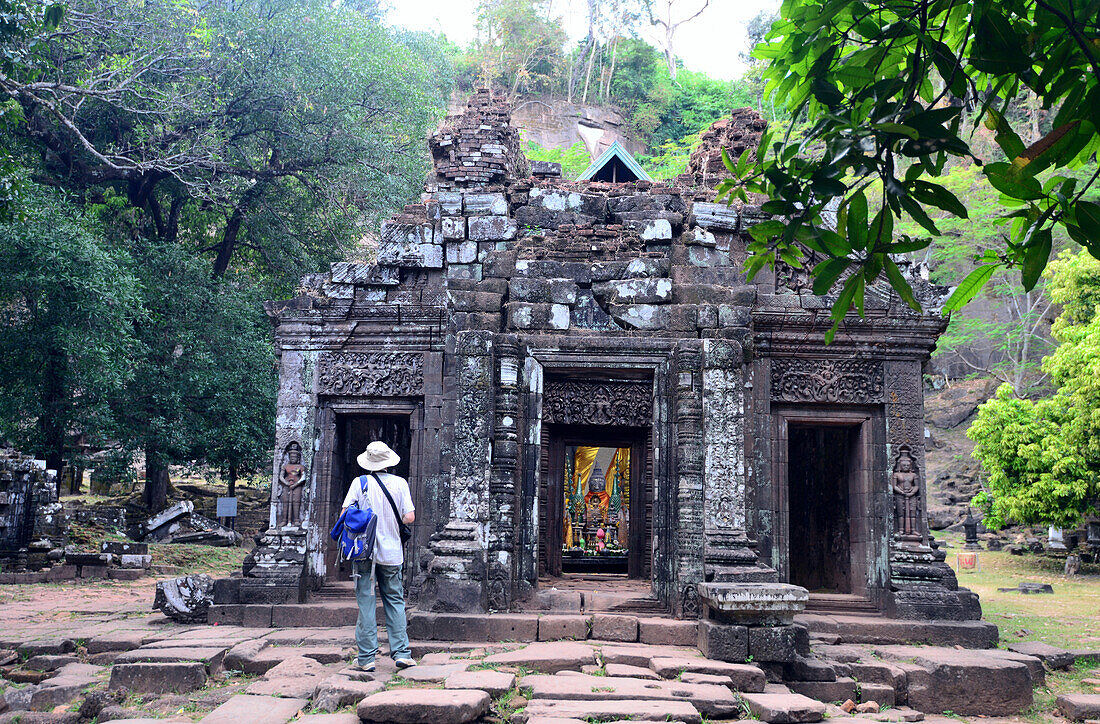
x,y
393,505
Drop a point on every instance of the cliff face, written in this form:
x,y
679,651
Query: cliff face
x,y
554,123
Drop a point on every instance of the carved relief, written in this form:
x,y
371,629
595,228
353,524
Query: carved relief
x,y
724,465
382,374
292,478
598,403
837,381
689,602
905,482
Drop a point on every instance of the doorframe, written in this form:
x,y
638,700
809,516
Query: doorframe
x,y
559,438
868,497
326,506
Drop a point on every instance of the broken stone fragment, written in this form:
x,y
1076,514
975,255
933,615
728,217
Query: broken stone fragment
x,y
185,599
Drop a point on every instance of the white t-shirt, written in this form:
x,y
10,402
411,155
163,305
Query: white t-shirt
x,y
387,542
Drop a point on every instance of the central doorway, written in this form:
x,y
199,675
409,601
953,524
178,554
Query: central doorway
x,y
597,503
353,433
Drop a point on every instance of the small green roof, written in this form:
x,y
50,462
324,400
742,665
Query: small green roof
x,y
616,165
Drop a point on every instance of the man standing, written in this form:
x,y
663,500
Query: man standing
x,y
367,492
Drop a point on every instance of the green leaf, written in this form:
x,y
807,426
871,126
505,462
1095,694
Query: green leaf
x,y
1026,188
827,272
1036,255
857,220
900,285
1005,137
899,129
970,287
728,163
854,75
1088,218
938,196
765,230
917,212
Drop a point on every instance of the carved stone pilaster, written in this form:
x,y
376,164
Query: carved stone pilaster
x,y
689,471
502,483
470,467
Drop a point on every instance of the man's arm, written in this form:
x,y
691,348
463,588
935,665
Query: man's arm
x,y
409,517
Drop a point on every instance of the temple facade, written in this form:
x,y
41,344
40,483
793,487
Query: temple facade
x,y
581,381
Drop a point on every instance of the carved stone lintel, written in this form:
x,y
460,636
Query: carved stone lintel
x,y
381,374
576,402
835,381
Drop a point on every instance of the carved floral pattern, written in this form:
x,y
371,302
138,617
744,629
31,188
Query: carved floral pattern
x,y
837,381
598,403
382,374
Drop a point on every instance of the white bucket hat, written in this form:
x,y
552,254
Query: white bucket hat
x,y
377,456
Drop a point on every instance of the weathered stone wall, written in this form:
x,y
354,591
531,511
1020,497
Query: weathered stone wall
x,y
32,521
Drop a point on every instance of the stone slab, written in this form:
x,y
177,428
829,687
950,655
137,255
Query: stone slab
x,y
638,672
1052,656
493,683
611,711
710,700
159,678
962,681
784,708
563,627
1079,707
336,692
608,627
328,719
255,710
638,655
415,706
667,632
212,657
877,630
744,677
840,690
433,673
547,657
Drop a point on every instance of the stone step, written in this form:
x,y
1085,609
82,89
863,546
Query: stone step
x,y
1079,707
878,630
1052,656
547,657
782,708
608,711
211,656
159,678
421,706
709,699
255,710
744,677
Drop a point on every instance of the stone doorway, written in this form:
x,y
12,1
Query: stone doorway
x,y
832,506
596,481
353,433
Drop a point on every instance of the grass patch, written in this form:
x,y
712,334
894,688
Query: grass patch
x,y
1070,618
212,560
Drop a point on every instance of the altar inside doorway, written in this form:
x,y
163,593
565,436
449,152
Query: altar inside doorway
x,y
596,524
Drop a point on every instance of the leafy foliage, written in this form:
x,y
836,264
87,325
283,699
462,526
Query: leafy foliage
x,y
573,160
883,87
1043,458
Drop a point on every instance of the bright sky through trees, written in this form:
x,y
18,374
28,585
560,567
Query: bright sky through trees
x,y
703,44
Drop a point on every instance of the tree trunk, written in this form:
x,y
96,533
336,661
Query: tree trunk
x,y
156,481
51,422
232,487
76,480
588,73
611,72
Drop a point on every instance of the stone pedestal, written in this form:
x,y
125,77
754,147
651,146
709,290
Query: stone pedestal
x,y
730,557
743,620
924,586
274,572
457,574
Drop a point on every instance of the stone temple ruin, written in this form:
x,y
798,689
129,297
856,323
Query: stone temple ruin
x,y
583,386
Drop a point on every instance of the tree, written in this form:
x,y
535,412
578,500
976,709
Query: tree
x,y
883,88
203,388
1043,458
67,300
518,44
661,14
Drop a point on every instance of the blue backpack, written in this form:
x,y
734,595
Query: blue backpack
x,y
354,532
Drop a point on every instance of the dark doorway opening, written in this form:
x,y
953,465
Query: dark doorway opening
x,y
596,502
819,478
353,433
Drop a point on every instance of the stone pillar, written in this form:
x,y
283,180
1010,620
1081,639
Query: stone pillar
x,y
689,479
457,574
278,568
729,554
922,585
502,483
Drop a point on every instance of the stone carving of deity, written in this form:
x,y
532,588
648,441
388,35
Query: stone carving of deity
x,y
906,484
292,478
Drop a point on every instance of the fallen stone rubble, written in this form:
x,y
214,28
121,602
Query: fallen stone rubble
x,y
274,675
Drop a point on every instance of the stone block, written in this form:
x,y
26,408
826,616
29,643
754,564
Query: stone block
x,y
773,644
635,291
808,669
525,315
711,700
1052,656
336,692
734,316
485,204
461,252
784,708
474,301
567,627
840,690
716,216
1079,707
127,547
450,202
649,317
723,641
126,574
255,710
465,272
882,694
607,627
454,227
491,228
962,681
410,245
640,672
667,632
554,710
413,706
227,590
742,677
257,615
158,678
548,658
92,571
493,683
533,289
344,272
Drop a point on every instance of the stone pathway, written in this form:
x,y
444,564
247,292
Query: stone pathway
x,y
123,667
